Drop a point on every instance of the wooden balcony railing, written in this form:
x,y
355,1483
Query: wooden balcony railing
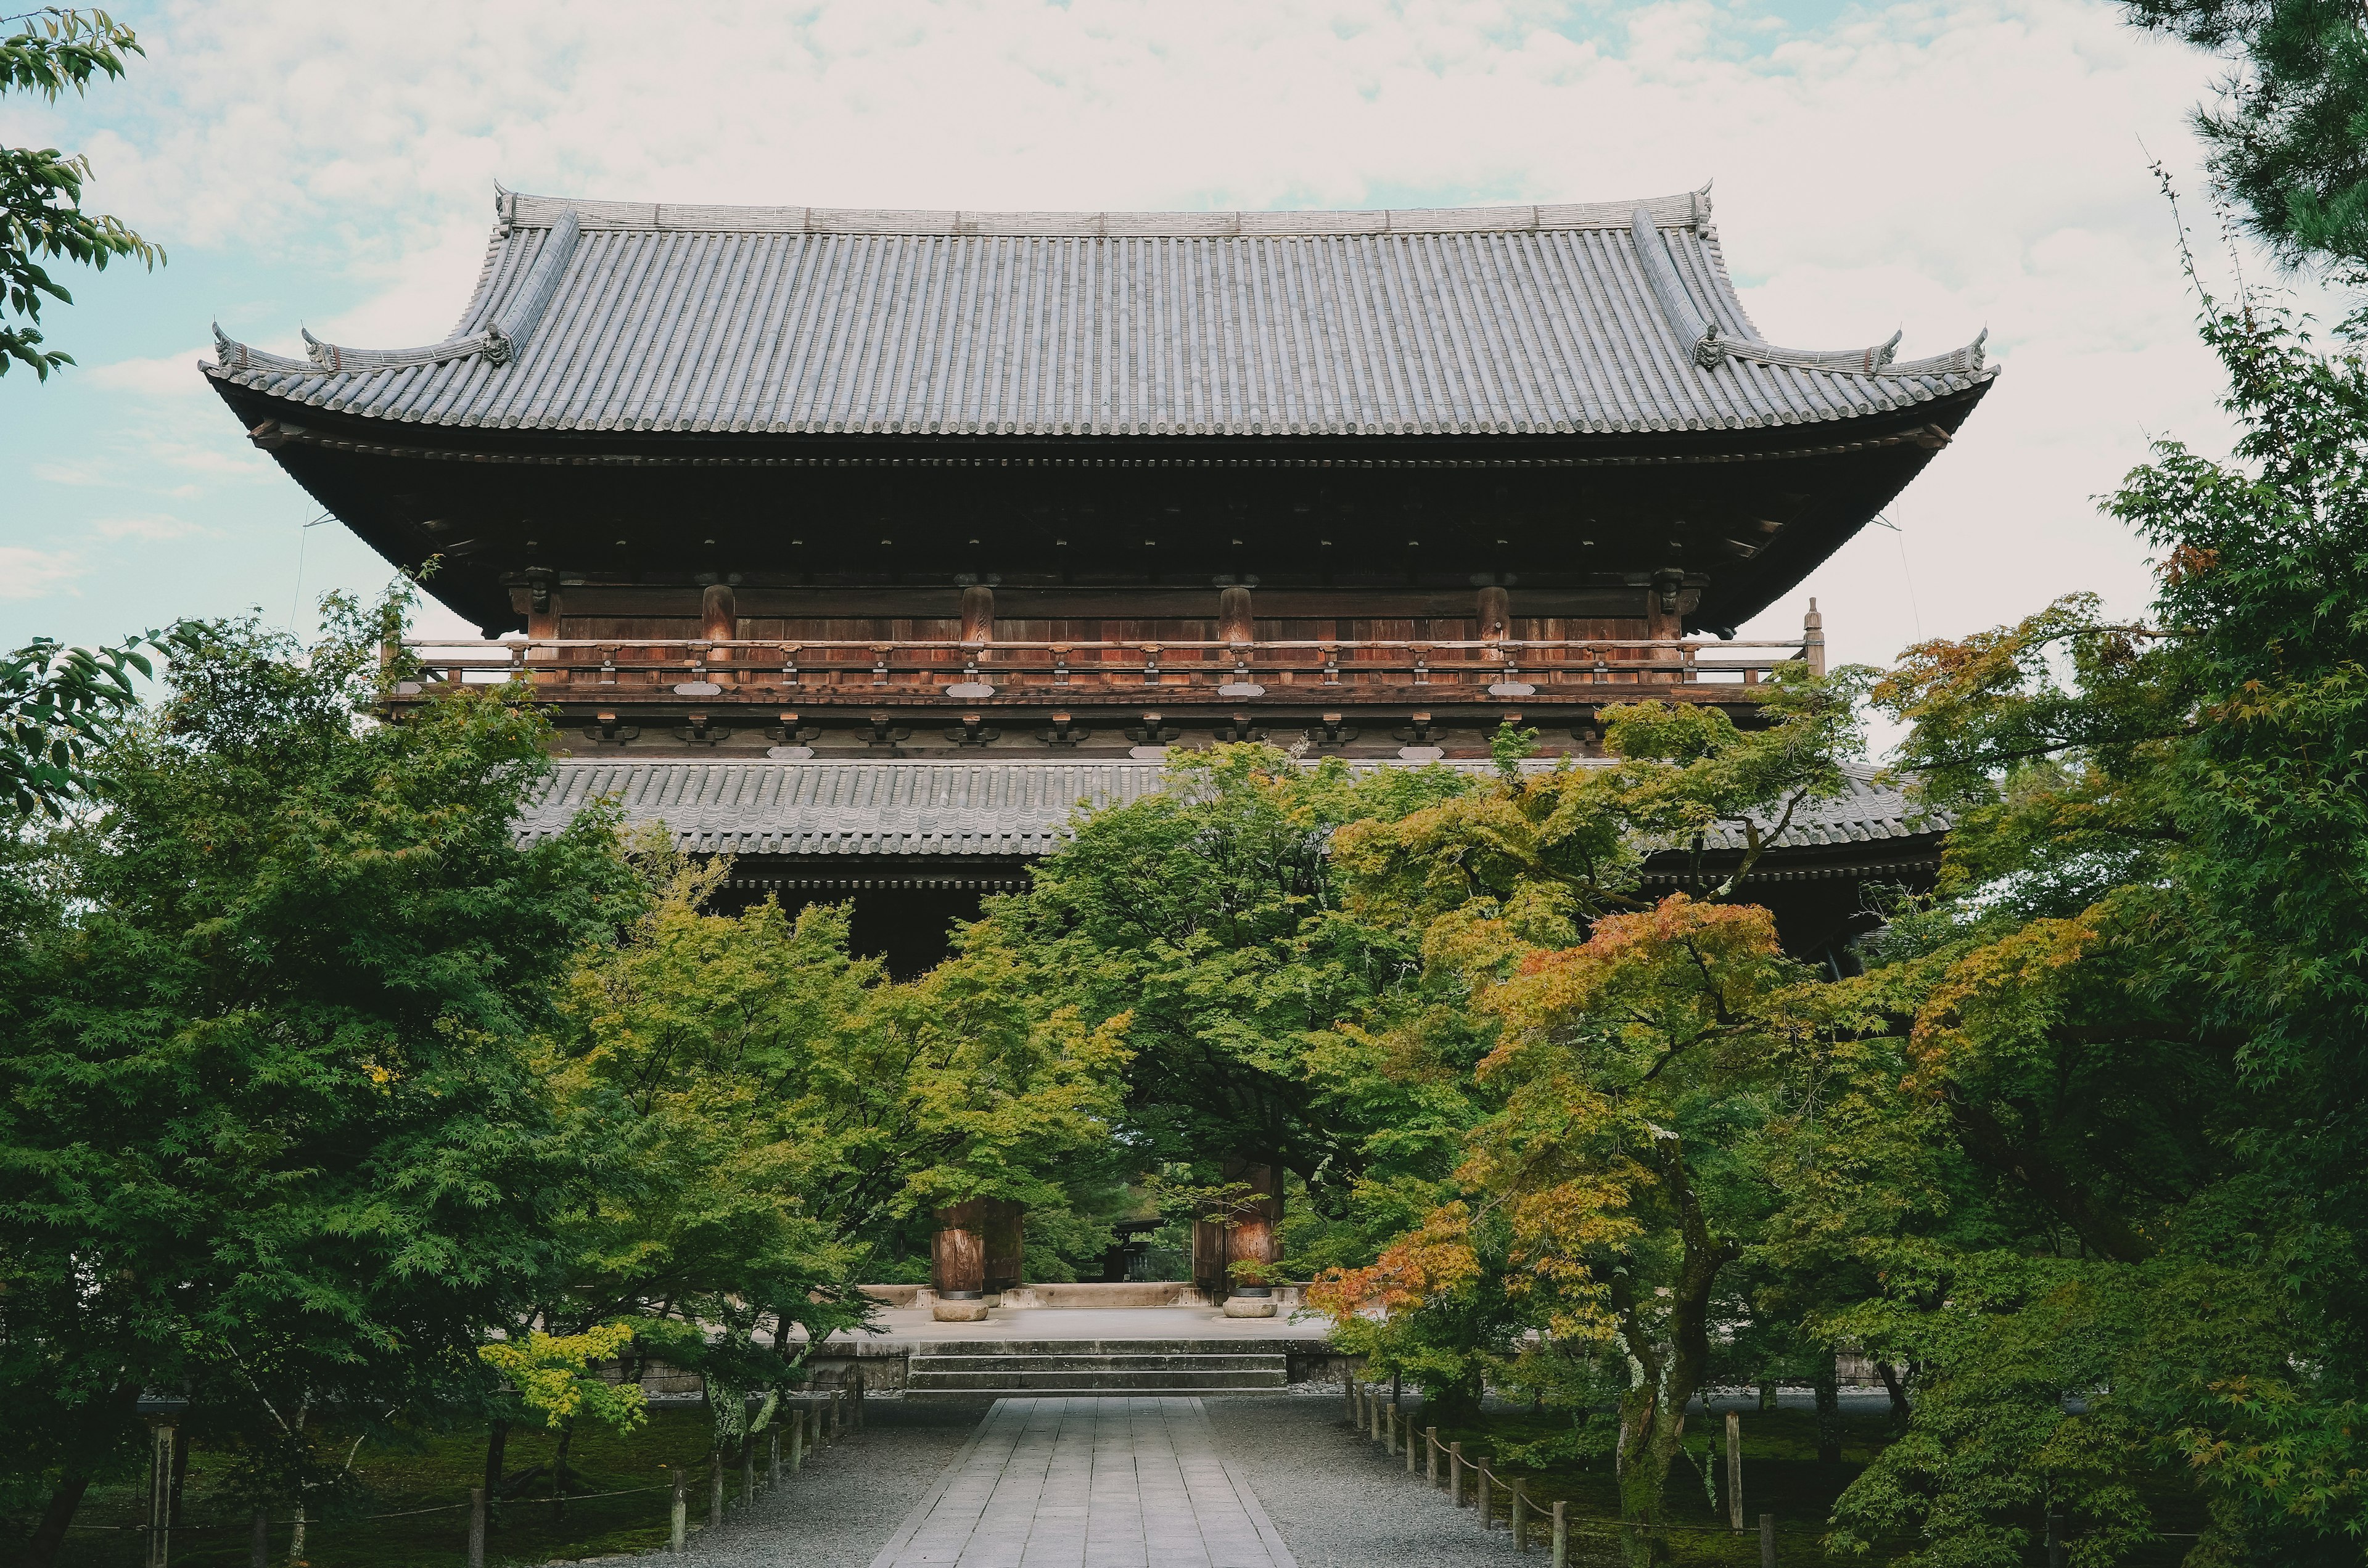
x,y
663,669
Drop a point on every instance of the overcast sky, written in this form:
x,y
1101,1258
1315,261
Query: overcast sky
x,y
1937,166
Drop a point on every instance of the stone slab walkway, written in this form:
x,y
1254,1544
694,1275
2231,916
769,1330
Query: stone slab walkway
x,y
1090,1483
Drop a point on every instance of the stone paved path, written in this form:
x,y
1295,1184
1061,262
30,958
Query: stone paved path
x,y
1089,1483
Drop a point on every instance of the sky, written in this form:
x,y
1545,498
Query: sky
x,y
1940,167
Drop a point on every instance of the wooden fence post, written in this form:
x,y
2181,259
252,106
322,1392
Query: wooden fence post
x,y
1431,1455
1348,1395
1455,1474
2054,1540
715,1488
1487,1503
1735,1472
1375,1406
748,1468
773,1460
680,1530
476,1527
1560,1536
1767,1540
160,1499
797,1438
1390,1431
858,1396
1409,1445
258,1545
1520,1515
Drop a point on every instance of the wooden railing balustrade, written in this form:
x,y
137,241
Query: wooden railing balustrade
x,y
861,669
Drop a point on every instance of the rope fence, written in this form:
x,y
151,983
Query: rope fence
x,y
810,1427
1472,1482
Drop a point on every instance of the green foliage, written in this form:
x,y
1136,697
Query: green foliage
x,y
57,704
2124,1172
754,1111
269,1121
1208,918
2290,137
556,1378
40,188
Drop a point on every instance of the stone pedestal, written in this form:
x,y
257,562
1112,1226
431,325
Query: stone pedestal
x,y
1249,1306
944,1310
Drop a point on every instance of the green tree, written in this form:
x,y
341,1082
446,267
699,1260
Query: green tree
x,y
1638,1058
2289,139
1209,915
2122,1120
42,218
270,1125
755,1109
59,704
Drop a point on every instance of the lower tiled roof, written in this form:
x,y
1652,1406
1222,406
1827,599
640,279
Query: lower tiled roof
x,y
906,807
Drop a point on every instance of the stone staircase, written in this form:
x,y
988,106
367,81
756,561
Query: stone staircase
x,y
968,1369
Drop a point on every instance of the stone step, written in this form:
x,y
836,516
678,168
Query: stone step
x,y
1113,1362
937,1394
1242,1347
1093,1379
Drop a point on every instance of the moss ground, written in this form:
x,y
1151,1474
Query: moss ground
x,y
432,1471
1781,1475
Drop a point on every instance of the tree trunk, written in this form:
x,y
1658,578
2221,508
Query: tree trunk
x,y
1767,1394
1653,1412
296,1536
497,1443
1648,1441
1898,1389
559,1469
1829,1412
41,1548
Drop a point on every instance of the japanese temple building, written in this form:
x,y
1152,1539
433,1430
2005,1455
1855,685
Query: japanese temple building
x,y
864,545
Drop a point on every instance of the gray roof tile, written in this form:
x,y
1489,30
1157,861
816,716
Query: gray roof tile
x,y
859,807
1614,317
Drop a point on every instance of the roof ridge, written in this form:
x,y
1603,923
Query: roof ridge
x,y
1683,209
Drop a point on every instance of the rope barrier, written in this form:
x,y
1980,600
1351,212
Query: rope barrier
x,y
708,1474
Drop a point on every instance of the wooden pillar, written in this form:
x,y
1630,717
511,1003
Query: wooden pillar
x,y
1210,1257
1495,611
1005,1226
1812,638
1663,602
958,1261
719,621
1253,1236
1234,622
978,615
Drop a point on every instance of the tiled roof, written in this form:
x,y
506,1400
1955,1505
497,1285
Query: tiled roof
x,y
614,316
902,808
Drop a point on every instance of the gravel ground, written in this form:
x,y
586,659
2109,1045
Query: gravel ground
x,y
840,1510
1341,1502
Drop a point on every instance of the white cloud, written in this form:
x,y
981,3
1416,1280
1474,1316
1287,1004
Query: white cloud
x,y
149,526
27,574
167,376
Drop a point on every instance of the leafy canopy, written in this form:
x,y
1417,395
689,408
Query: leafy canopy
x,y
42,218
